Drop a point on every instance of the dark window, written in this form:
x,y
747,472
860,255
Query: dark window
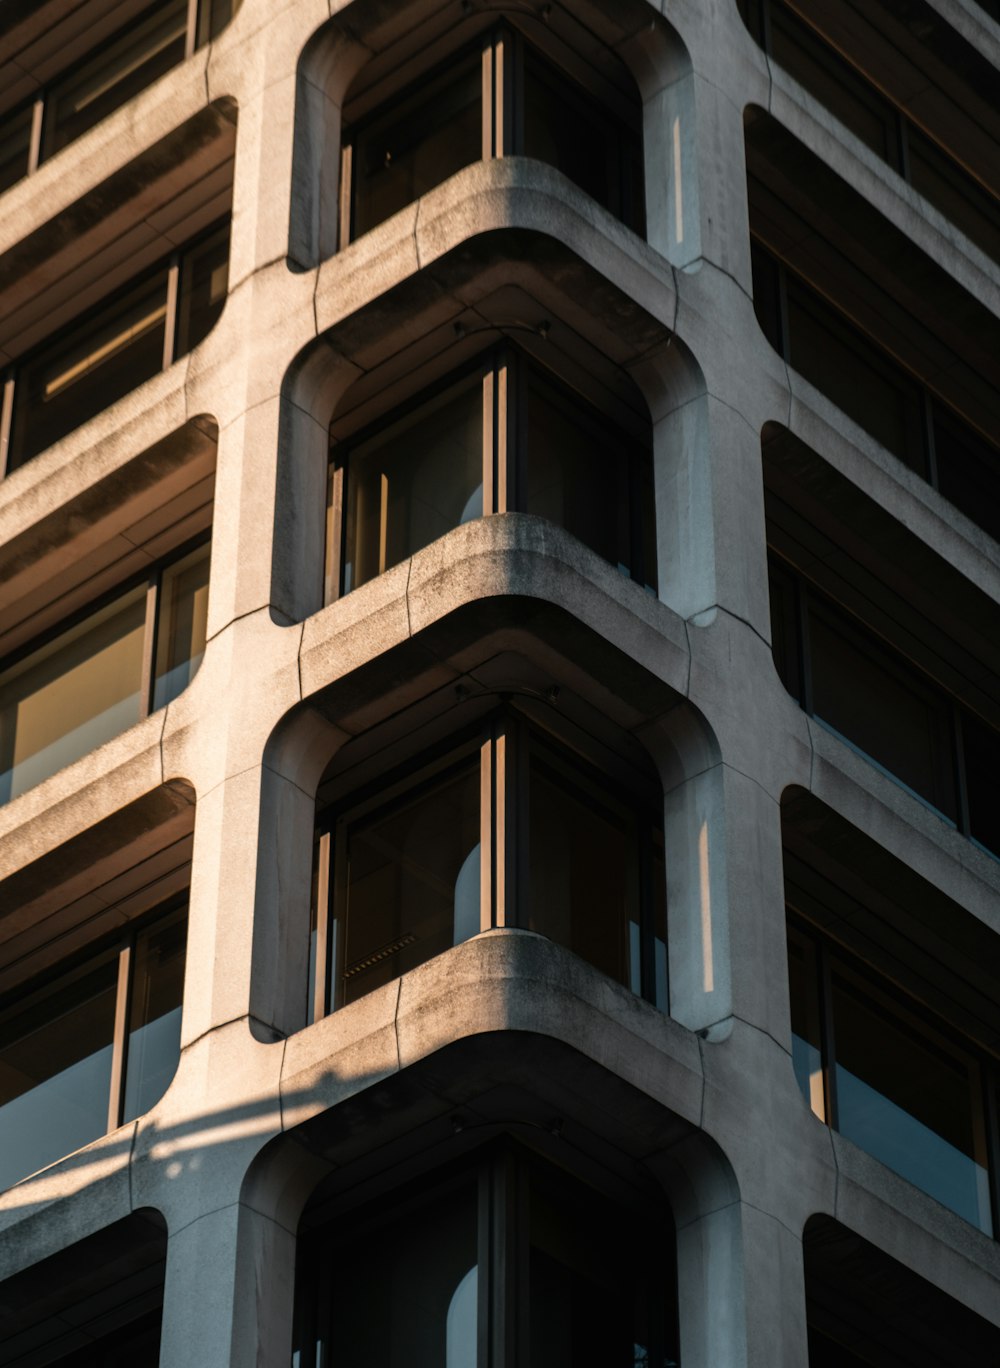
x,y
897,1084
510,1261
400,874
119,70
863,693
73,1065
505,436
124,65
115,347
422,140
884,705
531,108
91,681
856,375
860,106
883,398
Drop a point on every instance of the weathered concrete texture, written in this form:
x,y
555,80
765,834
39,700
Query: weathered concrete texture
x,y
296,695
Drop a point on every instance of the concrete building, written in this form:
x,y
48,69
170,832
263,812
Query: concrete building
x,y
499,701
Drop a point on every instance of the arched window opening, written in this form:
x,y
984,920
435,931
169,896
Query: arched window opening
x,y
503,435
498,97
508,1260
507,827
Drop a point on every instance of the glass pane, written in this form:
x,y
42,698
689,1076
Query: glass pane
x,y
803,991
767,295
92,365
577,472
861,693
952,190
420,143
570,131
204,279
910,1100
412,883
981,746
415,480
55,1069
154,1039
116,72
404,1292
583,871
855,376
598,1285
132,1346
785,644
835,84
71,695
968,470
15,142
660,955
181,625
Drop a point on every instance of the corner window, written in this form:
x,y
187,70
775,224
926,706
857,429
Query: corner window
x,y
115,347
505,435
508,829
508,1261
91,1047
92,680
498,98
874,1066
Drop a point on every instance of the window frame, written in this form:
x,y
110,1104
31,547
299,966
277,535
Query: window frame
x,y
501,49
910,1017
153,580
119,946
506,372
502,1170
171,268
504,742
199,29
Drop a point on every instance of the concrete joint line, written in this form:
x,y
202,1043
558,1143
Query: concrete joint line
x,y
395,1025
202,1216
298,658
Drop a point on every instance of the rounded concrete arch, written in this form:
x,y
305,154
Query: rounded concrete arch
x,y
358,46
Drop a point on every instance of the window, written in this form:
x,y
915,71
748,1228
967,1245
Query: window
x,y
885,707
876,121
875,391
498,98
125,341
509,1261
401,875
150,44
91,680
865,1310
94,1304
503,435
878,1069
90,1047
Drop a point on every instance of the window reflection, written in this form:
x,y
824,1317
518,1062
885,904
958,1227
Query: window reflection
x,y
65,1047
71,695
407,885
55,1068
501,98
428,1274
901,1089
423,470
85,685
183,618
398,875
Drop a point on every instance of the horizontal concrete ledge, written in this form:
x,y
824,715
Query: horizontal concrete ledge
x,y
505,556
80,167
872,801
485,198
